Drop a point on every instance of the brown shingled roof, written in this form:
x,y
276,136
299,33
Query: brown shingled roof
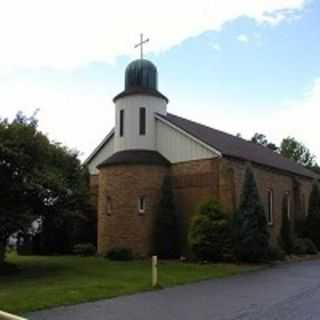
x,y
235,147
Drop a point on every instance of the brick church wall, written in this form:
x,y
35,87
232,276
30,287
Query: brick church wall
x,y
268,179
194,183
119,222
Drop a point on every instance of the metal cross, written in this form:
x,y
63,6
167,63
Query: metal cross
x,y
140,44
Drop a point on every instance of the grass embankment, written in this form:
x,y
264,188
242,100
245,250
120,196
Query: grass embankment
x,y
43,282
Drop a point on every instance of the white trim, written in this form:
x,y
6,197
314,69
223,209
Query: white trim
x,y
203,144
98,148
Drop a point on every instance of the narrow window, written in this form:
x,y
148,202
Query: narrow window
x,y
304,207
270,207
287,201
109,206
121,122
142,121
141,204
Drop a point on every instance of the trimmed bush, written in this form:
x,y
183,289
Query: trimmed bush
x,y
276,254
166,236
312,225
84,249
304,246
120,254
210,234
251,235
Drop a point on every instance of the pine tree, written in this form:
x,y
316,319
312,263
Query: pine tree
x,y
250,224
166,225
312,228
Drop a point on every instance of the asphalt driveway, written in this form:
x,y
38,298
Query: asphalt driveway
x,y
289,291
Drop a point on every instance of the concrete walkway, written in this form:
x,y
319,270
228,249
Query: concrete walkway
x,y
289,291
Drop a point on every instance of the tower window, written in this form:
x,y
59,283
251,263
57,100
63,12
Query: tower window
x,y
142,121
141,204
270,207
121,122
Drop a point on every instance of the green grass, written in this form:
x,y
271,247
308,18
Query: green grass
x,y
43,282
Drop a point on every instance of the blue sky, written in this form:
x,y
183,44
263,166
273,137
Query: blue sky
x,y
251,68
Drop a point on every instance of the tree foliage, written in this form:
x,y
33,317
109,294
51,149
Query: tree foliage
x,y
38,179
261,139
297,151
210,234
250,225
166,225
312,225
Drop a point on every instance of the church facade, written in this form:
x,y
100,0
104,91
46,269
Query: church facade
x,y
147,144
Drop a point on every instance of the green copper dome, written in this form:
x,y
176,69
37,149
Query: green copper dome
x,y
141,74
141,78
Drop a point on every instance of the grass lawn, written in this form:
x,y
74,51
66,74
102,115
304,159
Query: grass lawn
x,y
43,282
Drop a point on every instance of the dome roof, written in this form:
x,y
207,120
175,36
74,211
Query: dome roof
x,y
141,73
141,77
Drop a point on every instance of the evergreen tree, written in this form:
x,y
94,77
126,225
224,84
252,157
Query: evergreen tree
x,y
210,235
312,229
166,226
250,224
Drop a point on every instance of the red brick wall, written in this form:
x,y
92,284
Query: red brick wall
x,y
124,226
194,183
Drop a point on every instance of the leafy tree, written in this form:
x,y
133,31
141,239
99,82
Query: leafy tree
x,y
295,150
38,179
166,225
313,219
261,139
210,234
250,225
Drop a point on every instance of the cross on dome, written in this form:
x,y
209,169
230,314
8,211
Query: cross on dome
x,y
140,44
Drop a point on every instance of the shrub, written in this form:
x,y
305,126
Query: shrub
x,y
304,246
166,225
312,225
251,235
210,235
276,253
84,249
120,254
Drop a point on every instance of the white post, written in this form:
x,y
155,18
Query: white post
x,y
154,271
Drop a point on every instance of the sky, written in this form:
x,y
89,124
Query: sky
x,y
242,66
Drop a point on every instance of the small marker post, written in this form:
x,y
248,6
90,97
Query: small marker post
x,y
154,271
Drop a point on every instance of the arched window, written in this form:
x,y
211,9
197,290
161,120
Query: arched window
x,y
270,207
141,204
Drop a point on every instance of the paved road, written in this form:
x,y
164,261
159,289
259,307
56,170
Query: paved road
x,y
285,292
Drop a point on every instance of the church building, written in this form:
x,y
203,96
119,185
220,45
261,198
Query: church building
x,y
148,143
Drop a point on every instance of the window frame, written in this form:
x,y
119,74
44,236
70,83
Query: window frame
x,y
270,202
142,204
142,121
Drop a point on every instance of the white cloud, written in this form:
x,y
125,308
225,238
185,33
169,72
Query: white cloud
x,y
216,46
299,119
243,38
65,34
